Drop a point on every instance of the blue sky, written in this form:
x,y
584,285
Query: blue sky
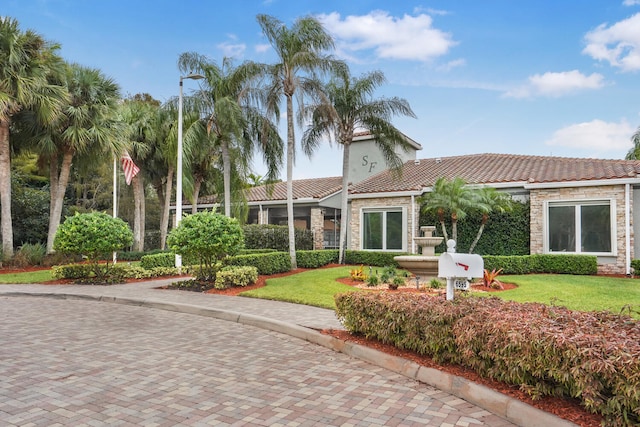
x,y
537,77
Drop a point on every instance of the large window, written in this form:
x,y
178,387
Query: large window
x,y
383,229
581,227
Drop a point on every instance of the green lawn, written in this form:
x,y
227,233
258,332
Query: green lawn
x,y
313,287
26,277
585,293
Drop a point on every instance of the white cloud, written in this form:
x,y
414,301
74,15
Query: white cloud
x,y
618,44
596,135
405,38
452,64
556,84
261,48
630,2
232,50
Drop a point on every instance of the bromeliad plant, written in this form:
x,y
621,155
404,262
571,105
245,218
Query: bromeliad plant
x,y
490,280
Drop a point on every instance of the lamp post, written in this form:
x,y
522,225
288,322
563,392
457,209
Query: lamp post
x,y
192,76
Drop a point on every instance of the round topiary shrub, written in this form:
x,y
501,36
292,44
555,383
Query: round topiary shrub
x,y
207,237
94,235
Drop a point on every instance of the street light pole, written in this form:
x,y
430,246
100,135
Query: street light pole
x,y
178,260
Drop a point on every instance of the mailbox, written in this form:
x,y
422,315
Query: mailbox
x,y
458,268
460,265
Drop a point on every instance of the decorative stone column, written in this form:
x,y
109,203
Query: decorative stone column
x,y
317,227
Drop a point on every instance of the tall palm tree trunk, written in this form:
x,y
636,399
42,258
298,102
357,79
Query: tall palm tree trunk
x,y
138,216
344,215
290,159
226,174
57,190
196,194
164,221
5,191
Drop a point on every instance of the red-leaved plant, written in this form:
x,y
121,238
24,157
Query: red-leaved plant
x,y
490,280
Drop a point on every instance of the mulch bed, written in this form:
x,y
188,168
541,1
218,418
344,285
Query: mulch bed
x,y
565,408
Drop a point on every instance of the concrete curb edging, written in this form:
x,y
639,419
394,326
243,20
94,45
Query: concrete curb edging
x,y
509,408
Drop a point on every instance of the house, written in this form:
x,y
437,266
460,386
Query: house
x,y
583,206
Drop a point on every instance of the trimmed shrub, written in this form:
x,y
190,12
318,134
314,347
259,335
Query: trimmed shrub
x,y
164,259
635,264
231,276
378,259
315,259
207,237
543,263
546,350
83,273
270,263
276,237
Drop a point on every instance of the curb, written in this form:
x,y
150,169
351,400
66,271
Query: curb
x,y
509,408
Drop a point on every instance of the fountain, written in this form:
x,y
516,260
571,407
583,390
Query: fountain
x,y
425,265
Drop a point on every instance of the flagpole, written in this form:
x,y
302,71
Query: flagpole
x,y
115,197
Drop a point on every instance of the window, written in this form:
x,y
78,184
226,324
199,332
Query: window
x,y
383,229
581,227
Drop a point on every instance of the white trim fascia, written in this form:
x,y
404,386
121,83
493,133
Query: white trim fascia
x,y
330,195
386,194
590,183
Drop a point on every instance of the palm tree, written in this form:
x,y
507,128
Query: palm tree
x,y
449,197
634,152
300,49
140,117
27,65
349,107
490,200
88,127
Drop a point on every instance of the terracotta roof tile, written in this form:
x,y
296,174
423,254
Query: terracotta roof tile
x,y
497,168
316,188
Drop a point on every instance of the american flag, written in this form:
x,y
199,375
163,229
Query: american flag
x,y
130,169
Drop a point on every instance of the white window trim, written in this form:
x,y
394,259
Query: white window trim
x,y
576,202
384,210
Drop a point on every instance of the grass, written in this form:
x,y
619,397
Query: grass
x,y
37,276
313,287
584,293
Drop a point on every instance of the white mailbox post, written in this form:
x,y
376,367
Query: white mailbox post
x,y
458,268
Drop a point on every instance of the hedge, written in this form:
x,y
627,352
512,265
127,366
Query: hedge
x,y
546,350
270,263
373,258
315,259
276,237
543,263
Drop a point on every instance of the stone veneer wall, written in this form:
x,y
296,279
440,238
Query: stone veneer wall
x,y
317,227
538,197
390,202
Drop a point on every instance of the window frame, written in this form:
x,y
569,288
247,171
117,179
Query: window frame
x,y
577,205
384,210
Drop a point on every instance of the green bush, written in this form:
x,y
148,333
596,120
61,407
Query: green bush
x,y
163,259
543,263
635,265
232,276
269,263
276,237
29,254
315,259
378,259
83,273
545,350
207,237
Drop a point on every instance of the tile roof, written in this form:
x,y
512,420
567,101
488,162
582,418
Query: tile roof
x,y
497,168
316,188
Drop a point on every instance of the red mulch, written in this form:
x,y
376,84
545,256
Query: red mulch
x,y
564,408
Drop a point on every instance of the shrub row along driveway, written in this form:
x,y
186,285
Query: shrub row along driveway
x,y
82,362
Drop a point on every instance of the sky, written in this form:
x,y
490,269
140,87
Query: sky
x,y
534,77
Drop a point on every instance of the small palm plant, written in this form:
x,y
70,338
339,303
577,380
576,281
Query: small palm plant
x,y
490,280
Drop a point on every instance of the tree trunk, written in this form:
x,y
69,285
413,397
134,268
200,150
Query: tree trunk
x,y
344,216
5,191
138,217
475,241
196,193
290,159
164,221
57,190
226,180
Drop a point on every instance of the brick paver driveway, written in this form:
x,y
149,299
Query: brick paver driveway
x,y
72,363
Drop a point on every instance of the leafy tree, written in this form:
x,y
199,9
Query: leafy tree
x,y
490,200
207,237
27,64
452,198
634,152
348,107
300,49
94,235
